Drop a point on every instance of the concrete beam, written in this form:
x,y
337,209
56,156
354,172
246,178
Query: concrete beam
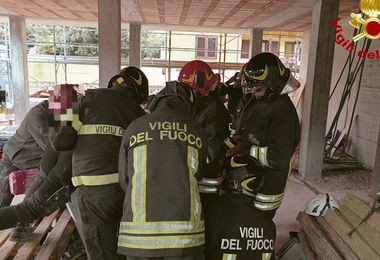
x,y
296,9
256,42
109,39
19,67
319,70
131,11
135,45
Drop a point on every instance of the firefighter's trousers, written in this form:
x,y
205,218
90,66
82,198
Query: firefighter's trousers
x,y
101,208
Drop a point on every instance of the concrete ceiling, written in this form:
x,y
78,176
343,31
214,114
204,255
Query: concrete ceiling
x,y
224,15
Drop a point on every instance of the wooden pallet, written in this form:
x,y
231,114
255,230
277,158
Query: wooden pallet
x,y
47,243
328,237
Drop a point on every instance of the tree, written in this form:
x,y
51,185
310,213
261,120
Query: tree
x,y
82,41
151,44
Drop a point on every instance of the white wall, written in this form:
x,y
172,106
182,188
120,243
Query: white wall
x,y
365,130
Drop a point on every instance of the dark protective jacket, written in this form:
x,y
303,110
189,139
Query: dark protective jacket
x,y
214,119
270,132
54,173
160,158
26,146
239,230
96,152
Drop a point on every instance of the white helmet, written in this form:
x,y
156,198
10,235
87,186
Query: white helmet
x,y
319,205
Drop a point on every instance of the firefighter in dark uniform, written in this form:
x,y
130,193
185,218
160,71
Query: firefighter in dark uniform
x,y
54,175
104,115
161,156
214,118
25,148
268,127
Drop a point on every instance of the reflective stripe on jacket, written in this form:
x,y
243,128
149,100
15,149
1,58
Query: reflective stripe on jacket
x,y
105,114
160,158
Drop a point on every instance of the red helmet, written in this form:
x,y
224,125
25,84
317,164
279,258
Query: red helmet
x,y
199,76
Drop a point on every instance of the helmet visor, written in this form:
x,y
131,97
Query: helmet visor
x,y
251,87
291,85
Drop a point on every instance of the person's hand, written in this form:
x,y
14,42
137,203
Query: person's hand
x,y
233,145
232,79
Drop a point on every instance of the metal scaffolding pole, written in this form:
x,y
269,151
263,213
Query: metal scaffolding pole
x,y
65,52
224,52
170,55
220,52
55,56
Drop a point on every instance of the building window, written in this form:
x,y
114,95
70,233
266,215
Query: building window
x,y
274,47
289,48
206,47
244,49
264,46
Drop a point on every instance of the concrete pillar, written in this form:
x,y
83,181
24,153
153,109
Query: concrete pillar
x,y
304,57
135,44
256,42
298,96
318,80
109,23
19,67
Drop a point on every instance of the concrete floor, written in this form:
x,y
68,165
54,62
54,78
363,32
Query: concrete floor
x,y
300,191
296,197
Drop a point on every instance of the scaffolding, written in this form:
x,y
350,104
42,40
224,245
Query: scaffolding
x,y
63,46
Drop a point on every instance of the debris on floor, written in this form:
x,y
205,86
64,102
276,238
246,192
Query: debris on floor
x,y
353,232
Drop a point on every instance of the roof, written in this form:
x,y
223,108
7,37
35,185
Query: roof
x,y
224,15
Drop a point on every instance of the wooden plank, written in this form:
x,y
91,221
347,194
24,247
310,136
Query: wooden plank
x,y
343,248
317,241
367,232
4,234
357,244
64,241
306,247
372,194
361,208
27,249
56,236
7,248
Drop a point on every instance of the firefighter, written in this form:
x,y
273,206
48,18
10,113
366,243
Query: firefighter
x,y
210,112
161,156
268,125
104,115
25,148
257,172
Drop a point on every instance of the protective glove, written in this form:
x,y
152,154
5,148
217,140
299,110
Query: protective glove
x,y
232,79
233,162
233,145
